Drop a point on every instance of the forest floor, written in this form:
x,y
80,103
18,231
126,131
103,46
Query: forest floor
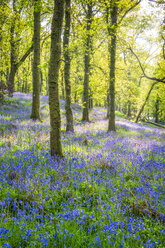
x,y
108,191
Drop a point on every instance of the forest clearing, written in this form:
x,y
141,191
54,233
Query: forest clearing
x,y
108,190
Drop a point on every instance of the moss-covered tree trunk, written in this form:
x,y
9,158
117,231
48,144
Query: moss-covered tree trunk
x,y
112,54
35,115
85,116
53,76
68,108
62,85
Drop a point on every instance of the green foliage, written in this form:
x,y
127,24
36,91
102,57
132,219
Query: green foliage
x,y
133,30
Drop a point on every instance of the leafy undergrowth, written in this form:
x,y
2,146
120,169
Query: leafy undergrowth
x,y
107,192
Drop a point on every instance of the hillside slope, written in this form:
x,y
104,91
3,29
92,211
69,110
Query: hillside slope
x,y
108,191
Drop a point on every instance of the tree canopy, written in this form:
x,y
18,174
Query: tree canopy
x,y
136,36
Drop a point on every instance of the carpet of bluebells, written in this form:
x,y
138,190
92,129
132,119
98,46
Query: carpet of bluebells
x,y
108,191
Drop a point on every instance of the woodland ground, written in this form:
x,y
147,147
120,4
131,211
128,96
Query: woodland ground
x,y
107,192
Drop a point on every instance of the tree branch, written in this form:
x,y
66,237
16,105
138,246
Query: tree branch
x,y
83,6
161,80
101,69
27,53
128,10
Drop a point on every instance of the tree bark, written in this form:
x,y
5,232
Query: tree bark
x,y
90,99
142,107
26,85
68,108
85,116
11,78
129,109
41,81
112,53
53,76
35,115
62,85
157,110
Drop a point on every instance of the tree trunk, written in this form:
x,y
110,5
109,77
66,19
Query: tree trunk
x,y
46,82
77,78
85,116
23,86
26,85
53,76
157,110
68,108
62,85
142,107
47,86
23,79
41,81
13,56
35,115
112,53
11,79
108,104
129,109
148,115
75,97
90,99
